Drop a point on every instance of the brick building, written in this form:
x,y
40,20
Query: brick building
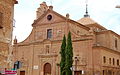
x,y
6,27
96,49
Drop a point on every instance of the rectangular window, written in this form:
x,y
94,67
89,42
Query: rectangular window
x,y
118,62
104,59
113,61
109,60
47,48
1,18
115,43
49,33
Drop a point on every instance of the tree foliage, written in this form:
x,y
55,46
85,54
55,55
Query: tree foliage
x,y
69,55
66,56
62,52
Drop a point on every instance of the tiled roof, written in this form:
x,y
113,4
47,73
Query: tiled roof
x,y
86,21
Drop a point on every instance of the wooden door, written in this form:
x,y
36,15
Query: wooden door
x,y
77,72
22,72
47,69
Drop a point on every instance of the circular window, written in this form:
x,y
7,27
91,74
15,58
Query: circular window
x,y
49,17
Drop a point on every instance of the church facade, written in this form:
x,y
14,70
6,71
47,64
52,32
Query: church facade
x,y
6,27
96,50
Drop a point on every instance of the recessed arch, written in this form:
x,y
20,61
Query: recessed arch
x,y
47,69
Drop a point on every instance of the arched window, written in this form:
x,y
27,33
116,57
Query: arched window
x,y
104,59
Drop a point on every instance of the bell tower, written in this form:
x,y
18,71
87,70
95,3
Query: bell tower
x,y
6,28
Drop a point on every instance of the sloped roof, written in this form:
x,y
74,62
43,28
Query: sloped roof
x,y
86,21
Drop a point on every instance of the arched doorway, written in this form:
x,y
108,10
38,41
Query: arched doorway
x,y
47,69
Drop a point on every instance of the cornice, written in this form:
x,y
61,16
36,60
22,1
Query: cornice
x,y
108,31
102,32
107,49
47,55
52,41
51,23
117,67
114,33
5,40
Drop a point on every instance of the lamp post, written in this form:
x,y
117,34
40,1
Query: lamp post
x,y
76,60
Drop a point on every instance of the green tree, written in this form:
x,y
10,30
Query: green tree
x,y
69,55
62,52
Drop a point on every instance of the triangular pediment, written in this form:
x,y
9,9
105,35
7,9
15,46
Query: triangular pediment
x,y
49,17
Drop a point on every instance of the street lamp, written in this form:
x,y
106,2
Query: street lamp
x,y
76,61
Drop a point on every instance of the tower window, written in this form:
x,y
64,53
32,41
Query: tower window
x,y
1,18
104,59
113,61
115,43
109,60
49,33
118,62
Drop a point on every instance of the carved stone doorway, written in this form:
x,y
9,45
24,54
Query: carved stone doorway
x,y
47,69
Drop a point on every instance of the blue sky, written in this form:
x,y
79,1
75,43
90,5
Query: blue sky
x,y
101,11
